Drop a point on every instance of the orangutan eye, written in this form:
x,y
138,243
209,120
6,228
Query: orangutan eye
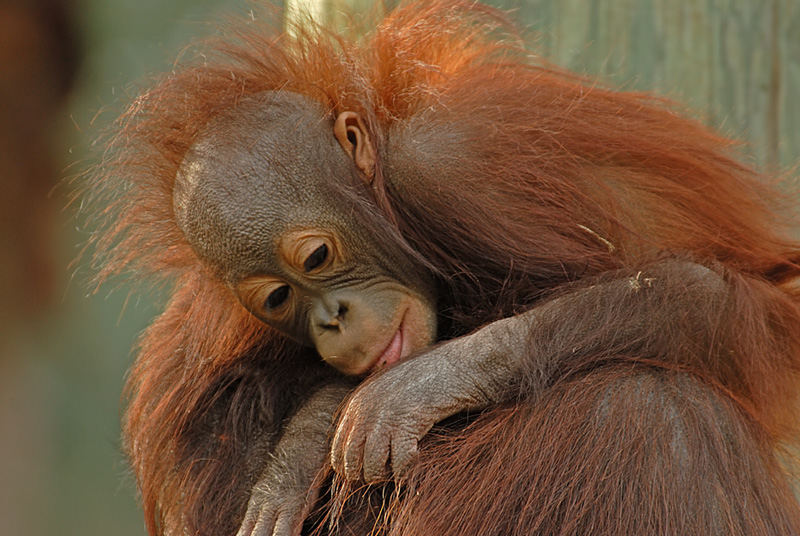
x,y
316,259
277,297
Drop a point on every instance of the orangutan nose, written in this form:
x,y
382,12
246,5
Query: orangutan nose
x,y
329,314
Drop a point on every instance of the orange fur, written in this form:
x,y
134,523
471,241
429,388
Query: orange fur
x,y
557,180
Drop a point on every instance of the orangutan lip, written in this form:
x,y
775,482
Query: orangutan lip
x,y
394,350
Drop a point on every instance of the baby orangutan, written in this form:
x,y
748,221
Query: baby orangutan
x,y
368,238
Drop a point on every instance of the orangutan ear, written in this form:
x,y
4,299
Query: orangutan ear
x,y
352,134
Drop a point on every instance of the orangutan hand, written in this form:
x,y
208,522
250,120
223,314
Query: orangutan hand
x,y
386,416
288,487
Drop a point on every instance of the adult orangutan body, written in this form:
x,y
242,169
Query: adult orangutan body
x,y
610,294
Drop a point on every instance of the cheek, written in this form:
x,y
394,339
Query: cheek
x,y
420,324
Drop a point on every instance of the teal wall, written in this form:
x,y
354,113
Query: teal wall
x,y
736,63
61,374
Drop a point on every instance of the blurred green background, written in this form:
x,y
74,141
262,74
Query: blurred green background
x,y
68,68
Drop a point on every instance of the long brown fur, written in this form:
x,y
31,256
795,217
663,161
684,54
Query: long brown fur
x,y
557,180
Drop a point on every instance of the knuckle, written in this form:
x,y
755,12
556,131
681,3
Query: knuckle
x,y
404,450
352,459
283,525
375,461
351,472
338,447
336,443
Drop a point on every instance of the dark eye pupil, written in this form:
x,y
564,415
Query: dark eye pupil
x,y
316,258
277,297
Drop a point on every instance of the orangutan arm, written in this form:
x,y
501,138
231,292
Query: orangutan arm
x,y
665,313
287,488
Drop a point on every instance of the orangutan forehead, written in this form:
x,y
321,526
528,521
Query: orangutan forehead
x,y
273,128
269,111
256,169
